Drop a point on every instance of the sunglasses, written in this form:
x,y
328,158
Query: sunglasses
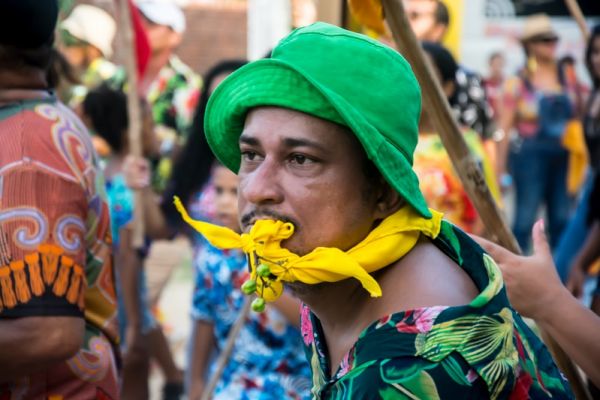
x,y
548,39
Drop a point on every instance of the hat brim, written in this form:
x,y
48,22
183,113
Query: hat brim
x,y
272,82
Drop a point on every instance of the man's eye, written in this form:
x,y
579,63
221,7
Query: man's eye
x,y
300,159
249,155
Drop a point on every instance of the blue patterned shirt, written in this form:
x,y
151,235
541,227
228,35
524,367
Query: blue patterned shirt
x,y
268,360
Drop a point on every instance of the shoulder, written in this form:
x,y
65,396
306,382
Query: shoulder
x,y
427,277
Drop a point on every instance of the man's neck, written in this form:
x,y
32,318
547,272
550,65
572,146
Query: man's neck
x,y
28,80
155,64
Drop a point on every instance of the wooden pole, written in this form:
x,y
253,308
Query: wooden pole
x,y
464,163
226,353
133,112
577,14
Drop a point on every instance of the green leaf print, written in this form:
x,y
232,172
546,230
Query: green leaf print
x,y
493,287
447,231
418,385
454,371
485,342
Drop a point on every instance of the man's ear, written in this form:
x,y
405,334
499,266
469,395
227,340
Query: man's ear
x,y
389,200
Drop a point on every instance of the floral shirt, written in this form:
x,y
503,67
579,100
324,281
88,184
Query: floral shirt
x,y
173,96
267,360
441,185
476,351
56,245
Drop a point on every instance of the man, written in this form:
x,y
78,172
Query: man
x,y
57,296
171,87
87,36
317,147
429,20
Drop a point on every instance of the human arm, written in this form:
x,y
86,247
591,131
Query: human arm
x,y
584,259
535,290
137,175
507,119
203,345
33,344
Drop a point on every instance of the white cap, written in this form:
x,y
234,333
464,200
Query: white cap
x,y
163,13
92,25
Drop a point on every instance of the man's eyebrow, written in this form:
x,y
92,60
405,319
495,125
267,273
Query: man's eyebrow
x,y
297,142
249,140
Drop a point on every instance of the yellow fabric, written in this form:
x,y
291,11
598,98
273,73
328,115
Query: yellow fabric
x,y
574,141
368,13
393,238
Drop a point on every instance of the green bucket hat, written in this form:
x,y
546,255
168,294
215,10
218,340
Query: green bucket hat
x,y
336,75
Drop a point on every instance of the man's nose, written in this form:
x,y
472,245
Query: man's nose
x,y
261,185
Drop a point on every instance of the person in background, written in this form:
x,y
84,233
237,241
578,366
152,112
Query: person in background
x,y
105,112
267,360
539,104
58,315
438,180
170,86
587,250
429,20
494,81
574,235
86,41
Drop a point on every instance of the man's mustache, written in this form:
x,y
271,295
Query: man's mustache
x,y
254,215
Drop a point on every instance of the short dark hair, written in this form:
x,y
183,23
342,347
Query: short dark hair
x,y
442,16
443,60
16,58
107,110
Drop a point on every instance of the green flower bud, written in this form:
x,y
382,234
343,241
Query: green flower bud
x,y
249,286
258,305
263,270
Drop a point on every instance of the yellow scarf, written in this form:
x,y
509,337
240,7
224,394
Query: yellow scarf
x,y
271,264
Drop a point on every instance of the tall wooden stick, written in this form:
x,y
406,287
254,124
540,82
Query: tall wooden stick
x,y
464,163
133,112
577,15
226,353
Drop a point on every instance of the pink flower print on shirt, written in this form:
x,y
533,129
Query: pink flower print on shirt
x,y
306,325
419,320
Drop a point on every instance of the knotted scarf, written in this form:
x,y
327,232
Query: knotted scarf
x,y
394,237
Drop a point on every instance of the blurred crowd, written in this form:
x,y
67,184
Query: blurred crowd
x,y
534,132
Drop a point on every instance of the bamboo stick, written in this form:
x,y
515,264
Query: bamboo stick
x,y
464,163
133,112
227,351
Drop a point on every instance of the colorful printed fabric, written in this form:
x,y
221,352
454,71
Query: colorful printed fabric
x,y
121,200
173,96
100,70
440,184
469,104
56,244
267,361
476,351
524,99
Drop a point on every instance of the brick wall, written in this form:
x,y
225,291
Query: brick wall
x,y
214,32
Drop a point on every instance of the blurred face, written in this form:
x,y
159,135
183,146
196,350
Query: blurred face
x,y
226,189
307,171
421,15
595,57
543,48
161,37
497,66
